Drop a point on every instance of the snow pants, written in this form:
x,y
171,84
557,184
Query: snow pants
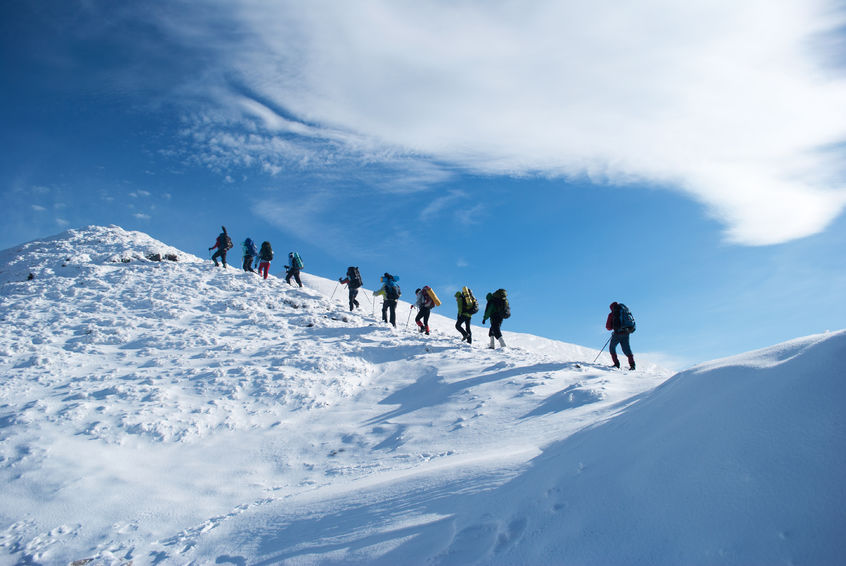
x,y
248,263
621,338
295,273
264,267
353,295
389,304
219,254
423,315
496,324
465,322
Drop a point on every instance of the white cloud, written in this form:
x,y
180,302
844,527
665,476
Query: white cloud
x,y
141,216
722,99
38,208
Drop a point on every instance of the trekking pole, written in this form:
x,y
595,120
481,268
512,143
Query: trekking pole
x,y
603,349
409,316
333,291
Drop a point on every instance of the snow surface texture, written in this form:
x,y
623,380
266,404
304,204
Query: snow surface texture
x,y
167,412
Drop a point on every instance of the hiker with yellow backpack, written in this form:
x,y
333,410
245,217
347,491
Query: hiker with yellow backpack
x,y
467,307
426,301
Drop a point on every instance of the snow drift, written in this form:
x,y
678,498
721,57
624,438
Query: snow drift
x,y
169,412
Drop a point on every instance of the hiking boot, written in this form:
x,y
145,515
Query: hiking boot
x,y
469,339
615,360
501,342
492,343
427,330
631,362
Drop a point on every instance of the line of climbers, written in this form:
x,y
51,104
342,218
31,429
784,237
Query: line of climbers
x,y
497,308
620,320
253,257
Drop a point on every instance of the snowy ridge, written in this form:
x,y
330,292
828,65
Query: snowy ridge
x,y
170,412
161,382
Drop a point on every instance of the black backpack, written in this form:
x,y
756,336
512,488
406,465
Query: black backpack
x,y
392,292
355,277
504,308
626,320
266,253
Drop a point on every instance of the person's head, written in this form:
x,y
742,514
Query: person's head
x,y
613,305
458,294
417,291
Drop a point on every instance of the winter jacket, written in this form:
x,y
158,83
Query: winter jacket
x,y
496,306
250,248
424,301
459,299
266,253
613,320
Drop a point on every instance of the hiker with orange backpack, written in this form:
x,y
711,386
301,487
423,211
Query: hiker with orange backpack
x,y
426,301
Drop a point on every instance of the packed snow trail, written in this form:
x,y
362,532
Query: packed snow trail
x,y
148,404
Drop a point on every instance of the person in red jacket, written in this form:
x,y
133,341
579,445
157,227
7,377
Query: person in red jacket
x,y
223,245
619,336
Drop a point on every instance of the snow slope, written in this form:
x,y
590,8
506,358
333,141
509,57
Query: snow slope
x,y
149,405
170,412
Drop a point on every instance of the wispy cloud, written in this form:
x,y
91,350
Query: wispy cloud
x,y
735,103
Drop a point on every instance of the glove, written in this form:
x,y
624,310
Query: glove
x,y
484,320
211,248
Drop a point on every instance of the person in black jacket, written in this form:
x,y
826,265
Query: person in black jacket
x,y
497,310
620,333
265,257
294,269
353,283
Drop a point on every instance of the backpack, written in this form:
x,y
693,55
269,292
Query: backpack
x,y
296,262
250,248
432,299
505,308
392,290
626,320
226,242
471,305
355,277
266,253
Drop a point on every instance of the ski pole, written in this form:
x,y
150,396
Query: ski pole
x,y
333,291
409,316
603,349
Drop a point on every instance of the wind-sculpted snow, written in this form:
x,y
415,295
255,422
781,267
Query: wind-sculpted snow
x,y
170,412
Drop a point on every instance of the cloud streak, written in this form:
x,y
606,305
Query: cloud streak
x,y
737,104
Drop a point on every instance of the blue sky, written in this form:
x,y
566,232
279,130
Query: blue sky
x,y
687,160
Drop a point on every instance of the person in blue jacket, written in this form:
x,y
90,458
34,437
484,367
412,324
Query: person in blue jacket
x,y
250,253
